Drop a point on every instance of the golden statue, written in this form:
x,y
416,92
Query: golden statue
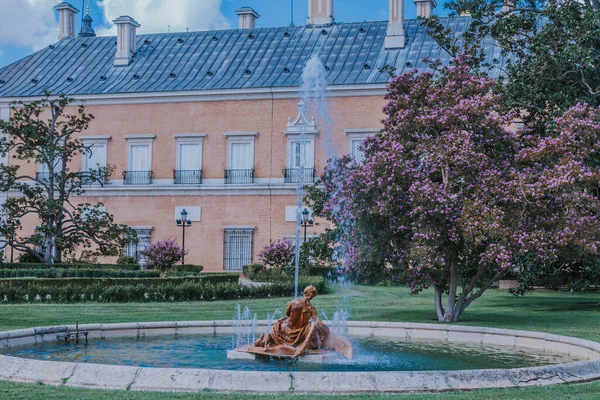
x,y
301,332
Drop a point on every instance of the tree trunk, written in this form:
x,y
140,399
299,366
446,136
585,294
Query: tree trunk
x,y
449,314
48,246
453,308
439,308
454,314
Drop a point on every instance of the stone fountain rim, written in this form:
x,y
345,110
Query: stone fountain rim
x,y
101,376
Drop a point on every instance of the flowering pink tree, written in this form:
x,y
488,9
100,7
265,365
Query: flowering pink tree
x,y
162,255
457,198
277,254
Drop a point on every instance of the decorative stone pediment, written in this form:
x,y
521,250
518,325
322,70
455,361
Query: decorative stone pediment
x,y
301,124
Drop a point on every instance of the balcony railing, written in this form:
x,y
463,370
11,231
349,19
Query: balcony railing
x,y
292,175
187,177
88,179
137,177
236,176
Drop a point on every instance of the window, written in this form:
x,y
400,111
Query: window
x,y
139,160
238,247
144,236
189,159
356,150
241,156
298,156
94,158
43,173
300,135
240,160
356,138
301,158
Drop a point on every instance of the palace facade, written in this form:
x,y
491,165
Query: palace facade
x,y
208,121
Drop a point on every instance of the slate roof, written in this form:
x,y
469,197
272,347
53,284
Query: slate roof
x,y
353,53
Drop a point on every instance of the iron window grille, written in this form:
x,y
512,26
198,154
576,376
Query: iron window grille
x,y
237,176
185,177
238,249
135,250
137,177
131,250
292,175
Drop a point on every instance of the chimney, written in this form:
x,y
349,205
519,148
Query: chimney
x,y
320,12
66,19
248,17
395,38
126,27
425,8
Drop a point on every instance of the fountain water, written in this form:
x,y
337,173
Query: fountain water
x,y
313,92
244,327
314,102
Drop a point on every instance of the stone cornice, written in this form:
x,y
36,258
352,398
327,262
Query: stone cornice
x,y
214,95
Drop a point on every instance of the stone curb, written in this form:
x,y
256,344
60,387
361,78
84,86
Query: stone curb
x,y
179,379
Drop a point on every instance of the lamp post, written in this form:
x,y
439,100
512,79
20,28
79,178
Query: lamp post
x,y
183,222
306,222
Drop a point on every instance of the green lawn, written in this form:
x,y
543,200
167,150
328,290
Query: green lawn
x,y
556,312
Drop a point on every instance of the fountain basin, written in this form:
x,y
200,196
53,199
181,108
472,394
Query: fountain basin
x,y
189,379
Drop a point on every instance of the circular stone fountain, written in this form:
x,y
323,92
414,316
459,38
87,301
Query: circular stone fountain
x,y
191,379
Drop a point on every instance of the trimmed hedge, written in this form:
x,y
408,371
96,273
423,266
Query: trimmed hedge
x,y
187,268
124,267
260,273
76,273
115,267
83,282
87,273
185,290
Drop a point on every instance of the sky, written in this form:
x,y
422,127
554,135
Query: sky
x,y
30,25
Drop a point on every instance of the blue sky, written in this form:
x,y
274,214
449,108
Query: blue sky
x,y
28,25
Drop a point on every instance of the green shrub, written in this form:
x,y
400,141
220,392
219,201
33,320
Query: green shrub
x,y
223,277
28,258
117,281
127,260
117,267
75,273
187,268
320,271
251,271
131,290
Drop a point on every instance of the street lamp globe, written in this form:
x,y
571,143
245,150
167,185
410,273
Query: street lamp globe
x,y
183,216
305,214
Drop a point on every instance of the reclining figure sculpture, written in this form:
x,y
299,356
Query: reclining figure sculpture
x,y
301,332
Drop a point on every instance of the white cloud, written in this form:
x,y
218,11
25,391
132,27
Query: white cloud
x,y
28,23
155,16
